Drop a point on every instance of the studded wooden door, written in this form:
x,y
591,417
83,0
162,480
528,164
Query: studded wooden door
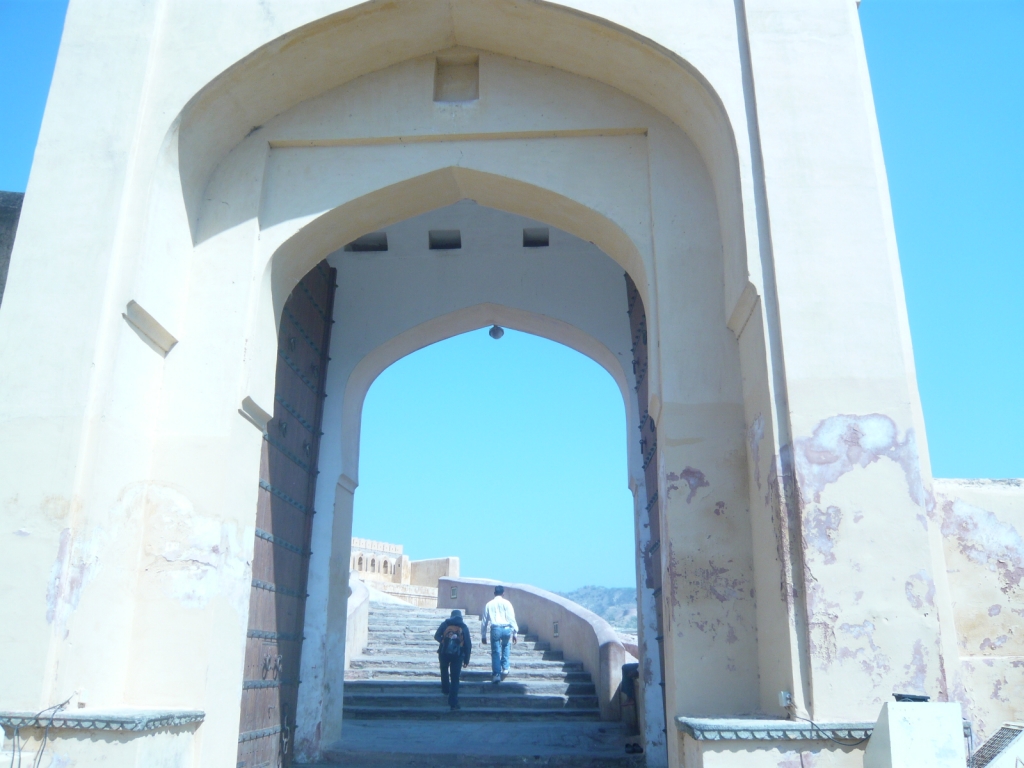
x,y
649,453
284,517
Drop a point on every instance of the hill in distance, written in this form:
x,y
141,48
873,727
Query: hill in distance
x,y
615,605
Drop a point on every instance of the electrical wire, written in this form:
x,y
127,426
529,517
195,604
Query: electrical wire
x,y
17,745
819,729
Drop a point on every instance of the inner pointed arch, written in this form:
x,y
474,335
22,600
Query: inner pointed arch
x,y
453,324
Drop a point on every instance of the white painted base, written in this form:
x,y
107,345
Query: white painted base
x,y
917,735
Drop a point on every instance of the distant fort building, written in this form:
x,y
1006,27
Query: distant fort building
x,y
386,568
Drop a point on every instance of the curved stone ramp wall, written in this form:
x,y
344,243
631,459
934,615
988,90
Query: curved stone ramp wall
x,y
582,635
357,623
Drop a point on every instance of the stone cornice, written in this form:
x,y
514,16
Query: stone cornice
x,y
104,720
766,729
754,729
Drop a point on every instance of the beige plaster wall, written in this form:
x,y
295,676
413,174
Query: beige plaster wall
x,y
168,748
425,573
765,754
982,523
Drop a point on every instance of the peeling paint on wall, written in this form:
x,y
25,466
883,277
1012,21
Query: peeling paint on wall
x,y
779,499
917,671
841,443
693,478
984,539
755,434
712,581
917,582
195,556
873,662
674,575
56,584
76,563
820,528
799,760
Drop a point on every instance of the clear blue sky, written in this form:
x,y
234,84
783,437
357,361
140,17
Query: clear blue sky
x,y
483,467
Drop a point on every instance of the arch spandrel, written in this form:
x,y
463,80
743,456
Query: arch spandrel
x,y
330,52
332,230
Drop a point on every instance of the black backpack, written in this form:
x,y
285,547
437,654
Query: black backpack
x,y
451,641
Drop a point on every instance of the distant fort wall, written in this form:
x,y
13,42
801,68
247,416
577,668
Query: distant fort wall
x,y
385,567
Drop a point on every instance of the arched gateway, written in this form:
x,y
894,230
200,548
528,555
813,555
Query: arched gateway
x,y
710,182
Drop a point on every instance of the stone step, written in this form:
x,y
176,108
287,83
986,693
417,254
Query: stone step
x,y
421,638
463,743
469,675
419,618
409,661
470,700
423,652
509,687
341,758
414,615
391,641
441,711
425,627
544,714
418,615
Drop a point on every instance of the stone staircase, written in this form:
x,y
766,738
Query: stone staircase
x,y
545,713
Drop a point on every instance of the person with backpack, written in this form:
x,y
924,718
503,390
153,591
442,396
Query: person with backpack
x,y
453,650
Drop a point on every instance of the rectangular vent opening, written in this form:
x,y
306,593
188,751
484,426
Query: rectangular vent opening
x,y
445,239
457,78
375,241
535,237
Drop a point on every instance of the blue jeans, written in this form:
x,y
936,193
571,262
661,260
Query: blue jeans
x,y
501,644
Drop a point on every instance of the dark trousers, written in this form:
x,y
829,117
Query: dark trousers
x,y
450,671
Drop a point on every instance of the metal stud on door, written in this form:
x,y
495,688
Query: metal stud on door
x,y
284,517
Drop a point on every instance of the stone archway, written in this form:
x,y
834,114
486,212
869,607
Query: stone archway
x,y
650,202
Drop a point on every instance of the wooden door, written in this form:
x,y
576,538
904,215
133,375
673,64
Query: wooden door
x,y
649,453
284,518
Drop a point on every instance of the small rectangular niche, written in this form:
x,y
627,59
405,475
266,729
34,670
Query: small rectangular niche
x,y
457,78
445,239
375,241
535,237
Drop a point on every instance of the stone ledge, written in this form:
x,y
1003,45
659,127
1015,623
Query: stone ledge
x,y
753,729
104,720
758,729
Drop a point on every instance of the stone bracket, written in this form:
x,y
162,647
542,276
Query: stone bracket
x,y
147,326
